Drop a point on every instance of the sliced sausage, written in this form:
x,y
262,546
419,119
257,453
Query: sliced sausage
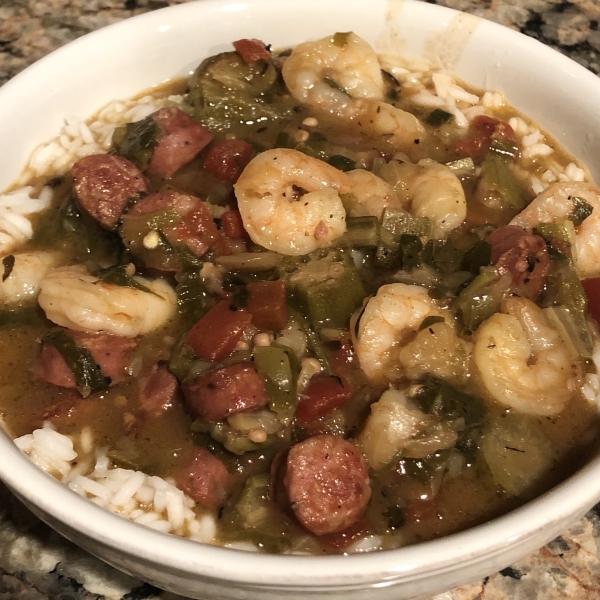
x,y
225,392
157,391
205,479
104,185
181,141
251,50
522,256
196,230
112,353
327,482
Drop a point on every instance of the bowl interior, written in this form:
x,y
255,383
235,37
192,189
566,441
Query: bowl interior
x,y
125,59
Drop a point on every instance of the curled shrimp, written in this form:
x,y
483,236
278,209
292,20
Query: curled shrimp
x,y
370,195
290,202
395,424
340,75
560,201
23,272
429,189
522,360
73,298
388,323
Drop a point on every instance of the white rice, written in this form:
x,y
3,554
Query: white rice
x,y
148,500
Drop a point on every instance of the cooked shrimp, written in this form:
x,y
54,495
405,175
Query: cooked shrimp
x,y
523,362
395,425
290,202
557,202
331,71
340,75
73,298
386,324
23,272
429,189
370,195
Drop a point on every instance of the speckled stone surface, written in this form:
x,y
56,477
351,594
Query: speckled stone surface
x,y
37,564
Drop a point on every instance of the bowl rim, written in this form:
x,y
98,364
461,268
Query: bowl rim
x,y
389,566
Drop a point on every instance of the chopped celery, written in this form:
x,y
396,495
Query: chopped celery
x,y
518,453
480,299
503,148
462,167
275,365
478,256
398,222
361,232
249,261
182,360
560,235
314,342
498,178
135,228
443,256
573,328
411,247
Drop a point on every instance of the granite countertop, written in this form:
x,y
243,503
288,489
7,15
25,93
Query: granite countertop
x,y
37,564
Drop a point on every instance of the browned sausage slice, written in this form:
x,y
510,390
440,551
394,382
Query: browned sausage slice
x,y
205,479
181,140
225,392
104,184
327,482
112,353
157,391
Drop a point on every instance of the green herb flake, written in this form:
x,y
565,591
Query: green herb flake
x,y
438,117
395,517
136,141
8,262
117,275
430,320
581,211
88,376
343,163
340,39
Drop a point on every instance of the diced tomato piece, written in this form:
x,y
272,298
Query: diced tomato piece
x,y
592,291
477,143
233,226
251,50
266,303
485,124
200,232
322,395
227,159
216,334
342,359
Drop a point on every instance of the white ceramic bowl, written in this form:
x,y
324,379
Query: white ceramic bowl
x,y
124,59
